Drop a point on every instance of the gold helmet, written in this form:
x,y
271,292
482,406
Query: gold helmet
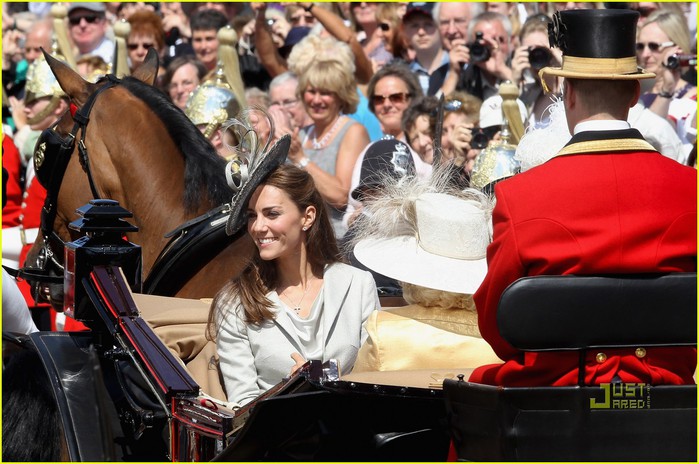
x,y
221,96
212,103
41,82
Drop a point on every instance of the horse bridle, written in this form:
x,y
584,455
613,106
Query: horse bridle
x,y
55,150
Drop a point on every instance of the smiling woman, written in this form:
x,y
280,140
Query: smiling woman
x,y
294,301
328,148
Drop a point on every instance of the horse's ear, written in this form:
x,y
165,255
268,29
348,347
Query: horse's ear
x,y
148,70
77,89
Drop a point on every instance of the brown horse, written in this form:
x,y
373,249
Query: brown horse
x,y
146,154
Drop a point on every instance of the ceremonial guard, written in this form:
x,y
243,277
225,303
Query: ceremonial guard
x,y
220,97
607,203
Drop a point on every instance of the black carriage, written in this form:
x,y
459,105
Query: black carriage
x,y
122,394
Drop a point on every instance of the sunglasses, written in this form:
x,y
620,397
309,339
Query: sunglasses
x,y
394,98
385,27
90,19
653,46
145,46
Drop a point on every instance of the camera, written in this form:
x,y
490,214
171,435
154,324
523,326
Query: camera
x,y
271,21
539,57
479,52
172,37
481,136
676,61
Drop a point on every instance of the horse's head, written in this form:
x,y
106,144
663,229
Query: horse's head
x,y
61,153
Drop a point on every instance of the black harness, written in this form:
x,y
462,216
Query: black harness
x,y
52,155
191,247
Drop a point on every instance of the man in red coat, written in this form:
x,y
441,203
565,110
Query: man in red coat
x,y
607,203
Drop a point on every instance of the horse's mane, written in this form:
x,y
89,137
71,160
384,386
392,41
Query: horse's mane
x,y
31,423
204,169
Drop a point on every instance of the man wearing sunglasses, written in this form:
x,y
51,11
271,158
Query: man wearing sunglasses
x,y
87,26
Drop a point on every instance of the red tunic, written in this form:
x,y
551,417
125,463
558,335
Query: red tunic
x,y
590,213
12,163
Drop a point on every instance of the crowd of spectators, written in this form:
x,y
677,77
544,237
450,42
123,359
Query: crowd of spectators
x,y
467,47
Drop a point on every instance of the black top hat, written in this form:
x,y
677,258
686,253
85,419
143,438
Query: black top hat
x,y
596,44
384,159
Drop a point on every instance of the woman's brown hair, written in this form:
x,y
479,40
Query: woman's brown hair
x,y
148,23
259,277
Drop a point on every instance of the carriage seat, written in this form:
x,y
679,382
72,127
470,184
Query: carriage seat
x,y
180,323
613,422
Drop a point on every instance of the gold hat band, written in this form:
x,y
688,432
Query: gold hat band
x,y
600,65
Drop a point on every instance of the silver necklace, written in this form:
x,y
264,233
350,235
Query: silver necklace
x,y
316,144
296,307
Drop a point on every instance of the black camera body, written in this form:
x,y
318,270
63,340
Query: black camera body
x,y
481,136
479,52
676,61
539,57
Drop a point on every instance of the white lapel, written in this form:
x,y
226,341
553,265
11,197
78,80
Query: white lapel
x,y
283,321
337,282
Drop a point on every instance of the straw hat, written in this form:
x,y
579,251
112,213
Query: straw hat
x,y
447,253
596,44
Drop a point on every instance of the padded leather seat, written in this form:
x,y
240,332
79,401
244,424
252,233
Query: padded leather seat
x,y
619,422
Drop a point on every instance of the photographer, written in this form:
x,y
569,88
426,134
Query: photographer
x,y
662,41
489,52
461,138
533,55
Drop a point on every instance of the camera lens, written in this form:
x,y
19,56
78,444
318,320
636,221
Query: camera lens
x,y
479,139
479,52
539,57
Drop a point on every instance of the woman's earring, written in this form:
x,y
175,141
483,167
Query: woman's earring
x,y
304,228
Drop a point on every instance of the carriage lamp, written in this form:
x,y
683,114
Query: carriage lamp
x,y
103,243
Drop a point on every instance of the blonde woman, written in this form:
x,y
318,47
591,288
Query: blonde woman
x,y
328,148
663,37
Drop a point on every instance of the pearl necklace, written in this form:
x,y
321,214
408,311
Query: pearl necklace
x,y
317,145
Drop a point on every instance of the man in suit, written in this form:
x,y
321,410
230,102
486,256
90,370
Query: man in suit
x,y
607,203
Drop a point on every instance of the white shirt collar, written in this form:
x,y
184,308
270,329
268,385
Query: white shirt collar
x,y
601,125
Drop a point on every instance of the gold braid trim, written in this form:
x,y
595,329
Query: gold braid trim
x,y
602,146
600,65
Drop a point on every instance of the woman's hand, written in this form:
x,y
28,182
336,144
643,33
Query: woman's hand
x,y
299,360
520,62
174,17
460,141
666,79
17,109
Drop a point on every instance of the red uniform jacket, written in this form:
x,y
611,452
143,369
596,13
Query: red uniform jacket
x,y
590,212
11,161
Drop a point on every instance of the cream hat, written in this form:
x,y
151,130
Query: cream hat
x,y
447,253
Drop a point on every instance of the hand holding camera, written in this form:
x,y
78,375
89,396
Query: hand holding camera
x,y
678,60
458,55
490,54
533,59
478,49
